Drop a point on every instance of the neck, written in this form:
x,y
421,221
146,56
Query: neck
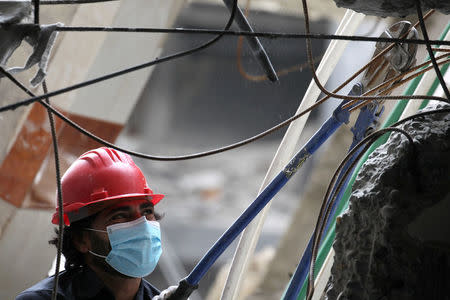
x,y
123,288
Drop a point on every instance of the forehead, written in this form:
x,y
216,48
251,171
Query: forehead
x,y
127,203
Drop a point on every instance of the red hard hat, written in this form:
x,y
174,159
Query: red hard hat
x,y
97,178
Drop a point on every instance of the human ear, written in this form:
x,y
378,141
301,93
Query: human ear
x,y
81,241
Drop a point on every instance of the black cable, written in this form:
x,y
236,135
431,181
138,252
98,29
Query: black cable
x,y
153,157
60,199
184,157
181,157
207,44
430,51
125,71
317,235
36,11
421,114
57,169
310,287
56,2
316,79
167,158
31,100
270,35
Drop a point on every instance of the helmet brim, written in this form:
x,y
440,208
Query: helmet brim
x,y
80,210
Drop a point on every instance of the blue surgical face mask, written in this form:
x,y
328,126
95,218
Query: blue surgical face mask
x,y
135,247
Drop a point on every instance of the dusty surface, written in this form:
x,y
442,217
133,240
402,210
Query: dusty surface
x,y
385,247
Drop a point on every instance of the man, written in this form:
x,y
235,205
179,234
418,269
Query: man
x,y
111,237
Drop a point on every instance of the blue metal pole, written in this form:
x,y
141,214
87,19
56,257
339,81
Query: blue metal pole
x,y
302,270
328,128
366,118
300,274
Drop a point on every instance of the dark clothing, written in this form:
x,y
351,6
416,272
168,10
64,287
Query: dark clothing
x,y
80,284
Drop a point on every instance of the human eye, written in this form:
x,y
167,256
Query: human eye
x,y
148,212
119,216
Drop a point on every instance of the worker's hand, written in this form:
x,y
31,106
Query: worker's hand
x,y
166,293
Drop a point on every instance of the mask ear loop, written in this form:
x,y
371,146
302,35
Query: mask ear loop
x,y
95,254
96,230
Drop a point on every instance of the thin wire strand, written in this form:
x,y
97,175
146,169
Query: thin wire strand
x,y
269,35
57,171
280,73
401,82
58,2
331,94
200,154
207,44
163,158
124,71
394,83
60,199
258,78
440,49
36,11
189,156
174,56
430,51
324,213
392,80
310,287
317,235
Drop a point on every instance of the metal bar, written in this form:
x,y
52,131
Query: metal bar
x,y
365,119
394,116
257,48
327,129
286,149
338,118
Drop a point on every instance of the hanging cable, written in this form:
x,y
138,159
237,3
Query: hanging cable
x,y
128,70
324,213
59,195
218,150
207,44
279,73
269,35
396,82
56,2
57,167
36,11
200,154
317,81
182,157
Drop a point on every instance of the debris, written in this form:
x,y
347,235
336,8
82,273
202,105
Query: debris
x,y
40,37
392,8
376,254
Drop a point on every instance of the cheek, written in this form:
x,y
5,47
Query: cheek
x,y
151,218
100,243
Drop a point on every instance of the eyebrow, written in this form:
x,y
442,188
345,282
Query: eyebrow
x,y
127,208
146,205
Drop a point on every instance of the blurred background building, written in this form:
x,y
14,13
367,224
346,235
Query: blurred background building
x,y
188,105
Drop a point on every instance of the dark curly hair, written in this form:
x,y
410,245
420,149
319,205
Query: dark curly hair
x,y
74,258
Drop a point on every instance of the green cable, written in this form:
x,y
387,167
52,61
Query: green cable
x,y
393,117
